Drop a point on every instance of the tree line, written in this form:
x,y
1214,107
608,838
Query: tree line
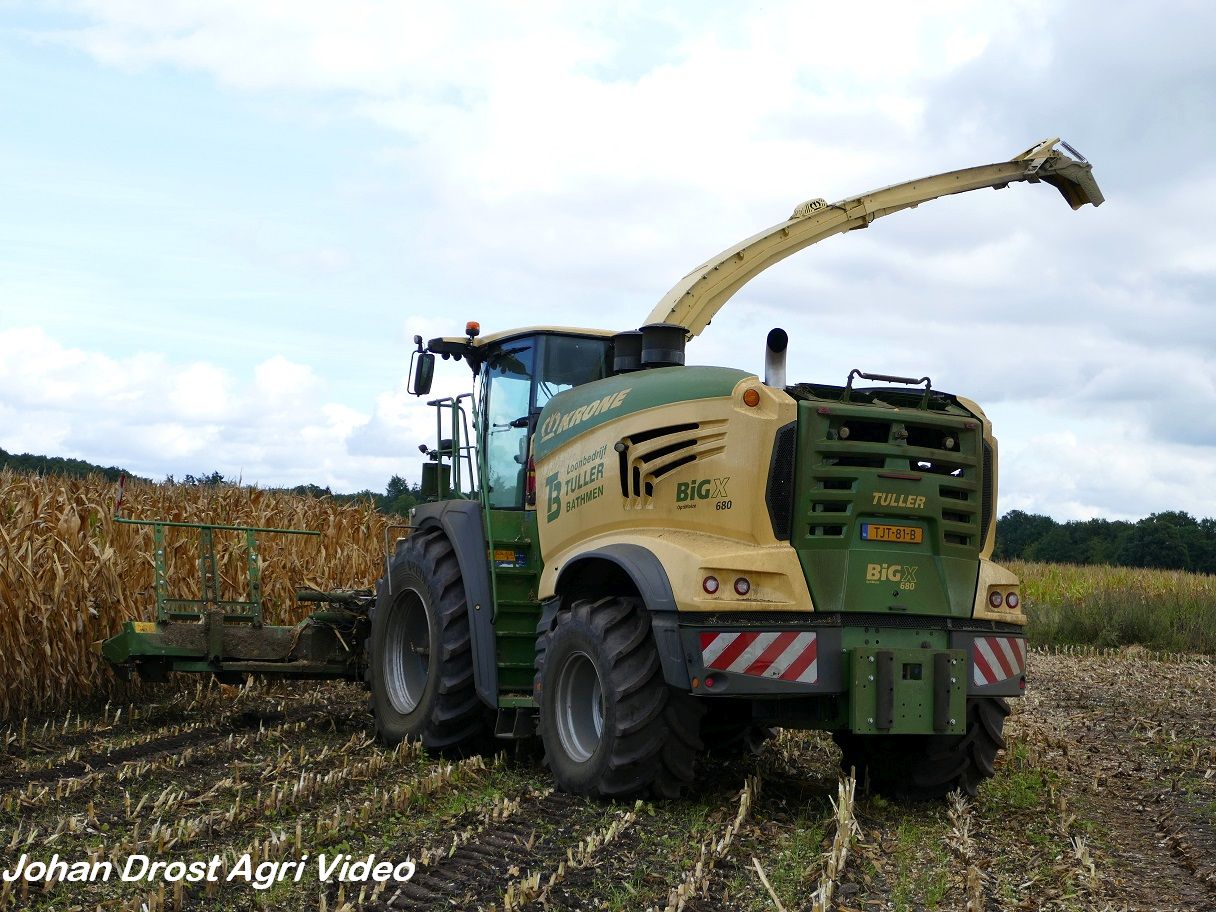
x,y
58,465
1172,540
397,498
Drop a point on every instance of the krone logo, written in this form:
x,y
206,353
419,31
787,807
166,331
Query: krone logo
x,y
558,422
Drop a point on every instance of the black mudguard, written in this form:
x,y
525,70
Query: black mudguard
x,y
650,579
462,523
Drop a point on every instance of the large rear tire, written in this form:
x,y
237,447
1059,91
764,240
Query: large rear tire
x,y
420,659
610,725
924,767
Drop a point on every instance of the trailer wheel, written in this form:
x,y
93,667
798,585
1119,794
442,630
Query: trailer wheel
x,y
420,660
610,725
923,767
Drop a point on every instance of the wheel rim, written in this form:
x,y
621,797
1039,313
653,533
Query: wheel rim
x,y
579,707
407,652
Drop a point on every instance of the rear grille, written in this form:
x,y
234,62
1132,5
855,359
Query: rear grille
x,y
854,452
647,456
986,496
779,495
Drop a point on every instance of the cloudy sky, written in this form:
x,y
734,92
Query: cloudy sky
x,y
221,222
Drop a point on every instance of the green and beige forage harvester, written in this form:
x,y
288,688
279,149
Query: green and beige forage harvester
x,y
639,561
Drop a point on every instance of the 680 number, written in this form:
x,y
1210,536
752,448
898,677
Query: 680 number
x,y
723,505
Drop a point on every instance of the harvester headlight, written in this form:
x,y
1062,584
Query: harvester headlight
x,y
710,585
1013,601
742,586
995,599
843,433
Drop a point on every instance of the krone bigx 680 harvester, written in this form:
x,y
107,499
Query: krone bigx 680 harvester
x,y
640,560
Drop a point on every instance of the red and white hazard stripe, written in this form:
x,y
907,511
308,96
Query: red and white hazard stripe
x,y
785,656
996,659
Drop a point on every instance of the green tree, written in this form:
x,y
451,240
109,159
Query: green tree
x,y
57,465
1016,532
1065,544
399,496
1203,556
206,480
1155,542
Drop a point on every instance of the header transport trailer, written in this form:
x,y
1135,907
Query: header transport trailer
x,y
636,560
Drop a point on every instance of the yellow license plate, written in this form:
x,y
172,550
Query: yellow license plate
x,y
875,532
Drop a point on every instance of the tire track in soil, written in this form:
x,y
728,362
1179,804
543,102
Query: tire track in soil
x,y
580,890
478,872
176,708
223,835
57,740
435,836
794,773
183,775
1160,851
100,759
715,895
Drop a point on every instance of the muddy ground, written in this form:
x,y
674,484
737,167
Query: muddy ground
x,y
1104,799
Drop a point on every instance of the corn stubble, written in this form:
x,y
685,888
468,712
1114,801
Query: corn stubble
x,y
70,576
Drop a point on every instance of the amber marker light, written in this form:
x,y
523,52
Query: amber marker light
x,y
472,328
751,398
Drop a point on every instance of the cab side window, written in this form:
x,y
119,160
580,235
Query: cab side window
x,y
508,402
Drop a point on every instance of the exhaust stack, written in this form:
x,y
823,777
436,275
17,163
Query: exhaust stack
x,y
774,358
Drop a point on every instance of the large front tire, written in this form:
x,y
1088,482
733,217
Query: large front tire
x,y
610,725
420,660
925,767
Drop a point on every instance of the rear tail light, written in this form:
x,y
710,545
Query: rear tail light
x,y
742,586
995,599
1012,600
710,585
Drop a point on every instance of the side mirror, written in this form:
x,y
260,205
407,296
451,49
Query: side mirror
x,y
422,371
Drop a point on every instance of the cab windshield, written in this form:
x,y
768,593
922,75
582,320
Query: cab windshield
x,y
517,380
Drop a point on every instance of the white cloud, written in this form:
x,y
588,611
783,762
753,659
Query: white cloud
x,y
156,417
1082,469
566,163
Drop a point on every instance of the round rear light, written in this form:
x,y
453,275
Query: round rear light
x,y
1012,600
995,599
742,586
710,585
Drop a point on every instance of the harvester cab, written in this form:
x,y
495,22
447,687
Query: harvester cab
x,y
639,560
